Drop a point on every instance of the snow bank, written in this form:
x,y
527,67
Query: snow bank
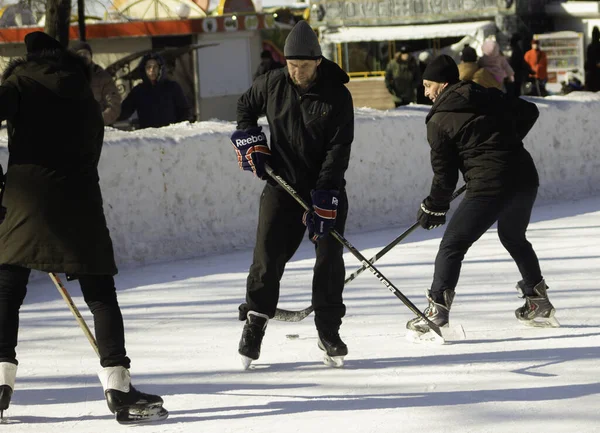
x,y
177,192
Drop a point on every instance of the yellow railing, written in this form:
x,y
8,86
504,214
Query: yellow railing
x,y
366,74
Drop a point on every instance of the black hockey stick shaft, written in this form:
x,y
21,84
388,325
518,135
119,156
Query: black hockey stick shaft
x,y
296,316
396,241
65,294
386,282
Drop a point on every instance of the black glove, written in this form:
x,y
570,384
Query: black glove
x,y
322,218
431,216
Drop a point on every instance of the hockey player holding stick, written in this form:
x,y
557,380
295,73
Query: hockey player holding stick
x,y
479,132
311,120
54,218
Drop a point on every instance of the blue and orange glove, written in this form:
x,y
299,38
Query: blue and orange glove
x,y
322,218
431,216
252,150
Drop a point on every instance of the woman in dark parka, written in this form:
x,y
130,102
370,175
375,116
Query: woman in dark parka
x,y
54,217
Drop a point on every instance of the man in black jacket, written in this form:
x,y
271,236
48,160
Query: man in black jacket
x,y
479,132
158,100
54,216
311,121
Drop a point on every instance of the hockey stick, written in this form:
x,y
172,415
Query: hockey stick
x,y
65,294
387,283
296,316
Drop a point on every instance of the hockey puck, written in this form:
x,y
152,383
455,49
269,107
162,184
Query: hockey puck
x,y
292,336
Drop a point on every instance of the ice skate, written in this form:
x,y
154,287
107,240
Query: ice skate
x,y
129,405
252,336
8,373
537,311
438,313
333,347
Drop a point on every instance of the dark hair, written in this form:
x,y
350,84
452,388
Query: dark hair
x,y
266,54
468,54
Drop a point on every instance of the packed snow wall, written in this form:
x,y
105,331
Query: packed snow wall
x,y
177,192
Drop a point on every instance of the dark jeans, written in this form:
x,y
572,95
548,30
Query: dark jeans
x,y
100,295
473,217
280,232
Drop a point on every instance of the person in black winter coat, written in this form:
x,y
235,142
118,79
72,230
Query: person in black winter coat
x,y
54,216
267,63
480,133
158,100
592,63
311,122
519,65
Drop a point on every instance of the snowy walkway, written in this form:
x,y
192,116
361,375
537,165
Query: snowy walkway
x,y
182,334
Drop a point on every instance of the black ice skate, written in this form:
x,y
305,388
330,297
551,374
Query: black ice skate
x,y
438,313
537,311
333,346
8,373
252,336
129,405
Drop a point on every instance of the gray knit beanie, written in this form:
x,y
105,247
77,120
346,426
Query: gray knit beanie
x,y
302,43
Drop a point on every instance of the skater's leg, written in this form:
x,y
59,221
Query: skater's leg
x,y
512,226
280,231
472,218
328,285
122,398
13,287
100,295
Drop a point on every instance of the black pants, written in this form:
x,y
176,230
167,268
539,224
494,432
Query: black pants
x,y
280,232
100,295
473,217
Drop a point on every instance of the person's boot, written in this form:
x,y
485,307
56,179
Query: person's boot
x,y
436,312
537,311
252,336
127,403
8,373
335,349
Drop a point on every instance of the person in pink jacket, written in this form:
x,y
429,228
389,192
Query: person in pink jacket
x,y
495,63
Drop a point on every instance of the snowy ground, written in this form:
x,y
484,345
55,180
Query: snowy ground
x,y
183,332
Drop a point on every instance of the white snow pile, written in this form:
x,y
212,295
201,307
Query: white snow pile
x,y
177,192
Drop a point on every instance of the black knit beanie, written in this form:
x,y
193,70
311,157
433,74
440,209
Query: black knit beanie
x,y
40,41
302,43
442,69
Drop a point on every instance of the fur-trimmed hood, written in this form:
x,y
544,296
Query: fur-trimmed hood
x,y
60,71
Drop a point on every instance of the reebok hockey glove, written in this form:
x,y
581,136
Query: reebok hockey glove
x,y
430,216
252,150
322,217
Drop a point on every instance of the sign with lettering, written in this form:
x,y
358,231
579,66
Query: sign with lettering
x,y
334,13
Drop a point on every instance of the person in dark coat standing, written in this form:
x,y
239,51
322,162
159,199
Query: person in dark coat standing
x,y
104,88
158,100
54,217
519,65
402,77
311,121
592,63
267,63
480,133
